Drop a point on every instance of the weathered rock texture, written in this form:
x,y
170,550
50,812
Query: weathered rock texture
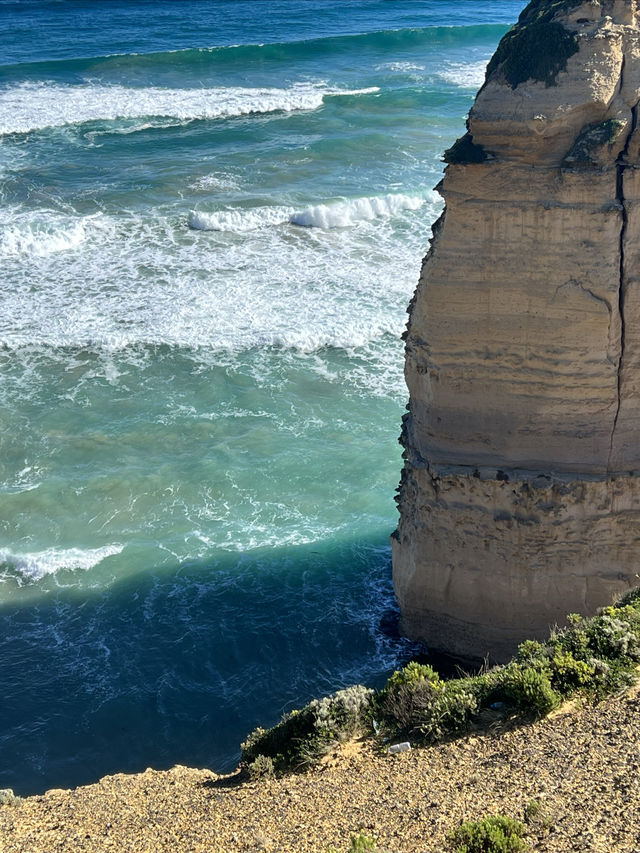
x,y
520,496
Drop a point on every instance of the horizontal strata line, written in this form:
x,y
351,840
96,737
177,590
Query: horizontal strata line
x,y
546,377
521,475
603,206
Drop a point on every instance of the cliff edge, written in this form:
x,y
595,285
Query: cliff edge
x,y
520,494
581,766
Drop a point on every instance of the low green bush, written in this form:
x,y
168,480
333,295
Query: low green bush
x,y
360,843
536,817
527,690
303,736
7,797
493,834
262,767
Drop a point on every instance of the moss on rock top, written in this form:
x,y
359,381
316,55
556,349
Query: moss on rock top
x,y
538,46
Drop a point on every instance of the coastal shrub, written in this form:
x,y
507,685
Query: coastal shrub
x,y
405,695
361,843
569,674
631,597
616,633
536,816
449,712
527,689
416,702
493,834
262,767
574,639
304,735
8,798
594,656
532,810
412,673
343,712
399,708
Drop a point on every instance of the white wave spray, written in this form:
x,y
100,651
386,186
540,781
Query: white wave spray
x,y
37,564
351,211
34,106
340,214
41,234
467,75
239,220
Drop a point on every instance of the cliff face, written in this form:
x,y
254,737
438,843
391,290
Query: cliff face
x,y
520,496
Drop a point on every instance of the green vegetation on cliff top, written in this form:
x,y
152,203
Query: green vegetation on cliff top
x,y
538,46
592,657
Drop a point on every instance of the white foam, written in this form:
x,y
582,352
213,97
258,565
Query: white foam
x,y
42,234
146,281
34,106
401,67
467,75
239,220
334,215
215,181
38,564
348,212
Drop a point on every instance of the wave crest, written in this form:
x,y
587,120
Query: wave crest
x,y
38,564
239,220
339,214
43,234
36,106
349,212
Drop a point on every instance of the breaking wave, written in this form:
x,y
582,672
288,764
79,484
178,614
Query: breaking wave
x,y
43,234
344,213
36,106
340,214
37,564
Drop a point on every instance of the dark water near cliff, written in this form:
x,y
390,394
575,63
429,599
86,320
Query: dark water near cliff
x,y
212,218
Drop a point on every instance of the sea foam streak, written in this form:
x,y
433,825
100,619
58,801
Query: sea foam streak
x,y
30,106
37,564
333,215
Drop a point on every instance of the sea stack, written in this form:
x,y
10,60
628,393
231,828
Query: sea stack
x,y
520,495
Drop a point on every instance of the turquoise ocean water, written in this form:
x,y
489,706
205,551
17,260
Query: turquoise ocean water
x,y
212,217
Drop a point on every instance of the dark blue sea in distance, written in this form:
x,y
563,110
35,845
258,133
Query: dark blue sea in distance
x,y
212,217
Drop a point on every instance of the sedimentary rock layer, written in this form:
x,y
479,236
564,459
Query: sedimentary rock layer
x,y
520,498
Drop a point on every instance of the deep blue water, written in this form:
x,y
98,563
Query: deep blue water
x,y
212,217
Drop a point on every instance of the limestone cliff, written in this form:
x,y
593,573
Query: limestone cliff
x,y
520,496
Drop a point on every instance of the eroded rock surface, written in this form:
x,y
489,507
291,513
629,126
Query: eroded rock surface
x,y
520,497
